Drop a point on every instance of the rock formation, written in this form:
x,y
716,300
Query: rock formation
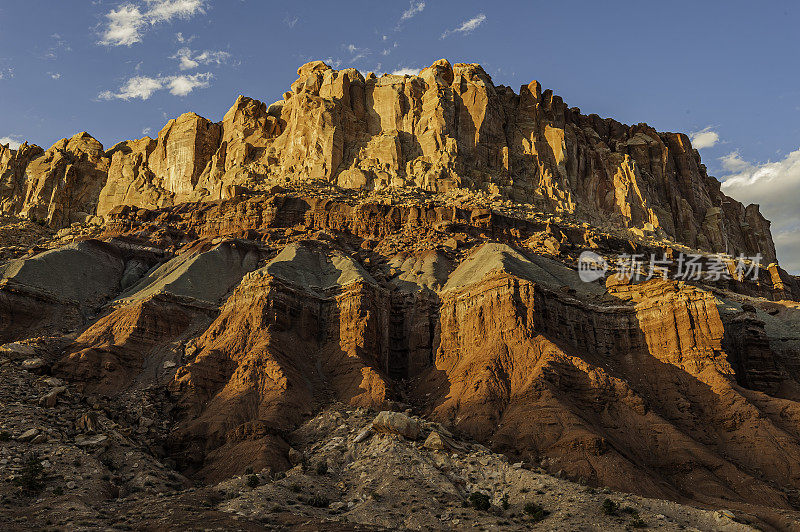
x,y
408,245
448,127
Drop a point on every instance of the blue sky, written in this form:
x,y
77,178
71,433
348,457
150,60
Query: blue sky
x,y
726,71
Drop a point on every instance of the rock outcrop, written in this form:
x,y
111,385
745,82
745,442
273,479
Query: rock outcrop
x,y
447,128
56,286
246,316
314,328
402,244
56,187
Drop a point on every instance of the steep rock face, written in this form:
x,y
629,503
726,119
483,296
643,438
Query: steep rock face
x,y
154,173
307,327
12,175
447,127
450,126
58,186
567,380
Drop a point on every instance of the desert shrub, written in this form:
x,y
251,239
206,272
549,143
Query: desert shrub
x,y
31,480
504,501
317,501
252,481
610,507
536,512
322,467
479,501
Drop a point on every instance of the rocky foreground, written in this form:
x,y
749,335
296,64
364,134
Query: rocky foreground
x,y
350,470
359,308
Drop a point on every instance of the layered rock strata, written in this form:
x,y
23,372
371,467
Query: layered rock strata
x,y
448,127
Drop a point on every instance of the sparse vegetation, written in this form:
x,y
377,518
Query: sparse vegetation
x,y
317,501
31,479
479,501
610,507
5,435
535,511
253,481
504,501
322,468
637,522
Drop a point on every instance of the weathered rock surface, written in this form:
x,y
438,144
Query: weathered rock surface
x,y
308,326
387,422
58,186
497,342
227,294
56,286
447,128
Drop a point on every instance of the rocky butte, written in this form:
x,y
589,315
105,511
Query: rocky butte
x,y
237,300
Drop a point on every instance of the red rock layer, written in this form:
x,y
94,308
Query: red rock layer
x,y
276,353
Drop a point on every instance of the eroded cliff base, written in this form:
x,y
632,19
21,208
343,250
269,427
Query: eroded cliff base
x,y
178,348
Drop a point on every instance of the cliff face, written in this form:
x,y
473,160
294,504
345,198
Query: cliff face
x,y
216,290
247,316
449,127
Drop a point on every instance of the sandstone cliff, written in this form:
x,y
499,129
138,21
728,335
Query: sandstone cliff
x,y
448,127
405,243
245,317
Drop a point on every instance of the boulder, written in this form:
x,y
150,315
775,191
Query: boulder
x,y
388,422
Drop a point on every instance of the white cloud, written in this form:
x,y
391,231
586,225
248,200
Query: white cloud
x,y
406,71
183,85
166,10
773,186
59,45
136,87
146,131
187,59
143,87
13,141
705,138
290,21
55,75
184,40
414,9
733,163
7,73
468,26
358,53
126,24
